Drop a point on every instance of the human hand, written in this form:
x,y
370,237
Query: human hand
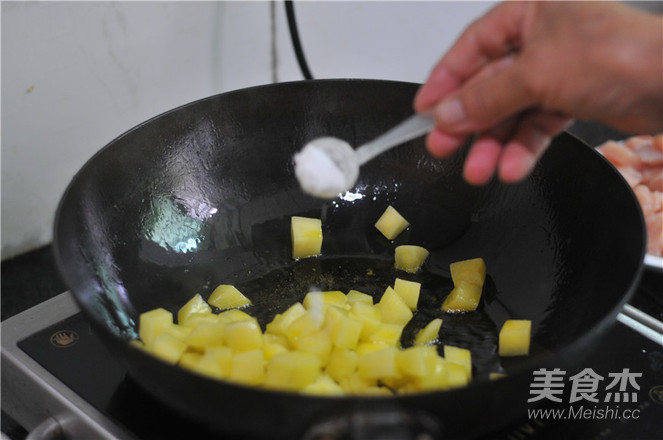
x,y
518,75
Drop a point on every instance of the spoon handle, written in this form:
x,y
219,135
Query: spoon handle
x,y
409,129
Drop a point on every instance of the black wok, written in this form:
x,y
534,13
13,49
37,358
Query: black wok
x,y
203,194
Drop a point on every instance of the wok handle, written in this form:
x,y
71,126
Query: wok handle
x,y
375,424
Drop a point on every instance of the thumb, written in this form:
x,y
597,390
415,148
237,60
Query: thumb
x,y
482,103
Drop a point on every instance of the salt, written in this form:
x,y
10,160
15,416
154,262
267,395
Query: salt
x,y
317,171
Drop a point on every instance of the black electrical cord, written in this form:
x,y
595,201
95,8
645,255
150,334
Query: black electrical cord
x,y
296,43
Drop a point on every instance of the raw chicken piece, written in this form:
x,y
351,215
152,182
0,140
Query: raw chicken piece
x,y
654,224
652,177
632,176
620,155
646,199
640,160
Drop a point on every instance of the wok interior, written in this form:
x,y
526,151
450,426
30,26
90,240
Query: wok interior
x,y
203,195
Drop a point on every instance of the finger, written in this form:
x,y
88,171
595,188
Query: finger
x,y
442,145
484,103
530,140
492,36
483,158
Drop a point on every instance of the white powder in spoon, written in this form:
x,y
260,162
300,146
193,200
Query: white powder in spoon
x,y
317,172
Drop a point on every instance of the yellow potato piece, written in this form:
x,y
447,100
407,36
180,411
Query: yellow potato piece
x,y
416,361
248,367
459,356
306,234
393,308
428,335
317,343
206,334
357,296
378,364
409,291
195,305
167,347
244,335
389,334
514,337
346,332
282,321
332,297
227,296
215,362
369,315
409,258
324,386
464,297
391,223
151,324
473,271
342,363
292,371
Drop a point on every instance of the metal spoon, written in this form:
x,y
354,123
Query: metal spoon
x,y
328,166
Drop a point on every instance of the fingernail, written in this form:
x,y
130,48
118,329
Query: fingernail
x,y
450,111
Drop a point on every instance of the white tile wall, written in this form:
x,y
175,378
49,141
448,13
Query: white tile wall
x,y
77,74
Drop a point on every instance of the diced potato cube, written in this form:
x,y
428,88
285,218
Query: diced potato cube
x,y
300,327
248,367
271,349
330,297
473,271
460,356
292,370
317,343
357,296
342,363
153,323
333,315
409,291
369,315
389,334
206,334
167,347
378,364
354,384
393,308
428,335
216,362
179,331
243,335
190,359
195,305
234,315
456,375
416,361
194,319
271,338
514,337
346,332
226,296
323,386
391,223
464,297
409,258
306,236
283,320
369,347
436,378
